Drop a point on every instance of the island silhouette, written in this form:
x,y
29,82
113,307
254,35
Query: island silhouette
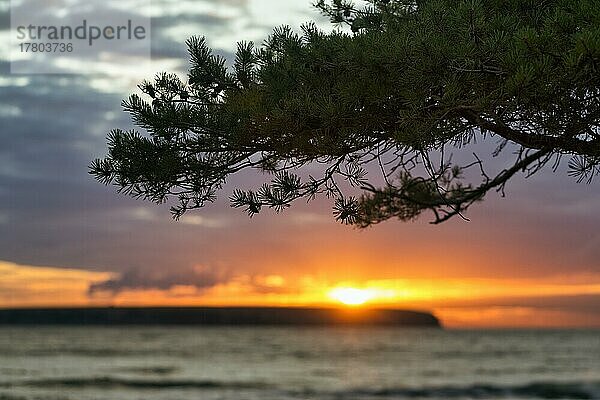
x,y
210,316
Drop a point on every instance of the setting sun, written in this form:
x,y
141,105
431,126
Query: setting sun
x,y
352,296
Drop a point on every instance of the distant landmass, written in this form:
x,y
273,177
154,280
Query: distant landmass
x,y
209,316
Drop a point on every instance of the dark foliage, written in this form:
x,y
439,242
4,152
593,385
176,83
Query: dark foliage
x,y
407,80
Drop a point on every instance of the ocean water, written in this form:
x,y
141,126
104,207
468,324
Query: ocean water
x,y
168,363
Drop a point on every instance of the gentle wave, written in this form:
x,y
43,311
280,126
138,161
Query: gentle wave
x,y
157,370
536,390
115,382
94,353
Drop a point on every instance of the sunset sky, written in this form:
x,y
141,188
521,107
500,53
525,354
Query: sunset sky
x,y
530,259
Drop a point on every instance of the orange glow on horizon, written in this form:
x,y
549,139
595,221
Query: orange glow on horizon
x,y
464,302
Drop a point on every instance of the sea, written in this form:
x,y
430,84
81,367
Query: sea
x,y
284,363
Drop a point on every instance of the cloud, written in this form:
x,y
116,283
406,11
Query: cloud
x,y
191,282
161,279
207,222
589,302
